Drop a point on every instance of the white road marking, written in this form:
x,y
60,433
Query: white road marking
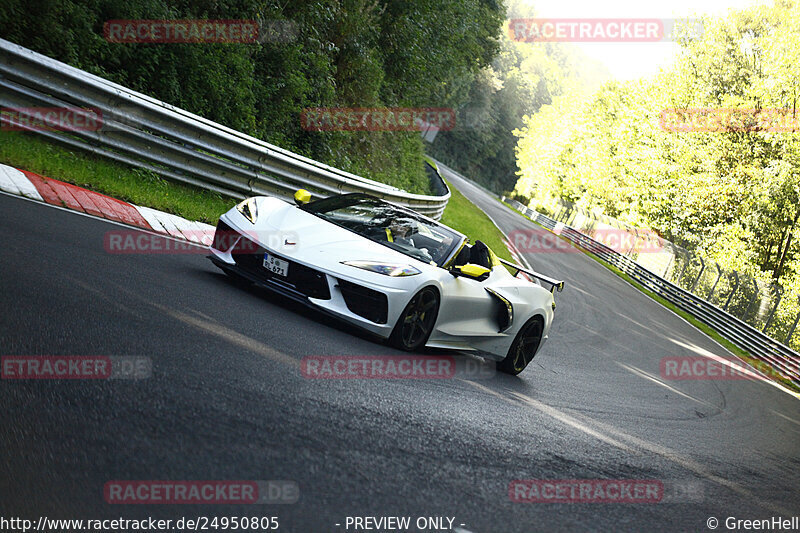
x,y
650,377
675,457
792,420
570,421
553,413
231,336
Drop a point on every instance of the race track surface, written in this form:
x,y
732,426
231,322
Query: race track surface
x,y
227,401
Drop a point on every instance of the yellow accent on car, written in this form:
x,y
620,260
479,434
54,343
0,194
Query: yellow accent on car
x,y
302,196
389,235
493,259
472,270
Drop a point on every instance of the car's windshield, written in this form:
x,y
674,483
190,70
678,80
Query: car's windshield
x,y
389,225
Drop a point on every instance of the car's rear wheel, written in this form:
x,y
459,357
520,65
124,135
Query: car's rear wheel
x,y
524,347
417,320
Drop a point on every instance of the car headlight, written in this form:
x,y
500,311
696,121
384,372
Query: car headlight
x,y
249,209
387,269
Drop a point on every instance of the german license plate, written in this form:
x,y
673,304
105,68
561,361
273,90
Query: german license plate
x,y
275,265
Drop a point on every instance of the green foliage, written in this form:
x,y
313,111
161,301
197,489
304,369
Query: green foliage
x,y
134,185
362,53
521,79
462,215
733,195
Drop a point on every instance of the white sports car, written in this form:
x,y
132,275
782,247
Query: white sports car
x,y
390,271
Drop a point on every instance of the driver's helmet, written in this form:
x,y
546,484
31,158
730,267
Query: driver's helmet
x,y
400,228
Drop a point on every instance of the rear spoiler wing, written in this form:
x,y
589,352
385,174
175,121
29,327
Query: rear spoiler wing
x,y
555,285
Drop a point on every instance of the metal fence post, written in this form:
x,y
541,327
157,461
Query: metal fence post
x,y
635,240
752,300
779,293
791,330
669,264
733,291
683,270
714,287
702,269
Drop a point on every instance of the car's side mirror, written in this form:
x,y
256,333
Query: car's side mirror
x,y
302,196
472,271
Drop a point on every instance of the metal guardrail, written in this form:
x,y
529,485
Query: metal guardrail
x,y
144,132
760,302
779,356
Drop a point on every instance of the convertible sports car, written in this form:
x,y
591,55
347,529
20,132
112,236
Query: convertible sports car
x,y
390,271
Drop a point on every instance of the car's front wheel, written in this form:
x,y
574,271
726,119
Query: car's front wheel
x,y
417,320
524,347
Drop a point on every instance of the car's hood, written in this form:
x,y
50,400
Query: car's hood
x,y
314,236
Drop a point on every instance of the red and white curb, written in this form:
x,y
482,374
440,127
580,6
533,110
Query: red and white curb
x,y
517,256
46,190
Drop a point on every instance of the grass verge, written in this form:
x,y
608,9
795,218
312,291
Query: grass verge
x,y
464,216
140,187
702,326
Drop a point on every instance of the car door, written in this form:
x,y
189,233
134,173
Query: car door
x,y
467,310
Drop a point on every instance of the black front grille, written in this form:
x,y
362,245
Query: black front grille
x,y
249,256
365,302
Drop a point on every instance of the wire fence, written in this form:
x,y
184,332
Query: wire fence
x,y
729,293
766,306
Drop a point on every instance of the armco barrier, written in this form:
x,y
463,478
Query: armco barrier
x,y
782,358
141,131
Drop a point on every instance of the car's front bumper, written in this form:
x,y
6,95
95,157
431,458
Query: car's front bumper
x,y
369,306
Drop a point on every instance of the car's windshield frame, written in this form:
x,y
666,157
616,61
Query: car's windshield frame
x,y
320,207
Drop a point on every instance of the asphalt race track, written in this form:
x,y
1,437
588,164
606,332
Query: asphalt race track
x,y
227,401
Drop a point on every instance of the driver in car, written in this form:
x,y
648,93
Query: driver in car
x,y
401,232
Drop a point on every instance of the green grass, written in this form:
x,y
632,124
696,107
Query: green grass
x,y
145,188
464,216
702,326
140,187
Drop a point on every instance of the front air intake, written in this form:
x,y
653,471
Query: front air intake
x,y
365,302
